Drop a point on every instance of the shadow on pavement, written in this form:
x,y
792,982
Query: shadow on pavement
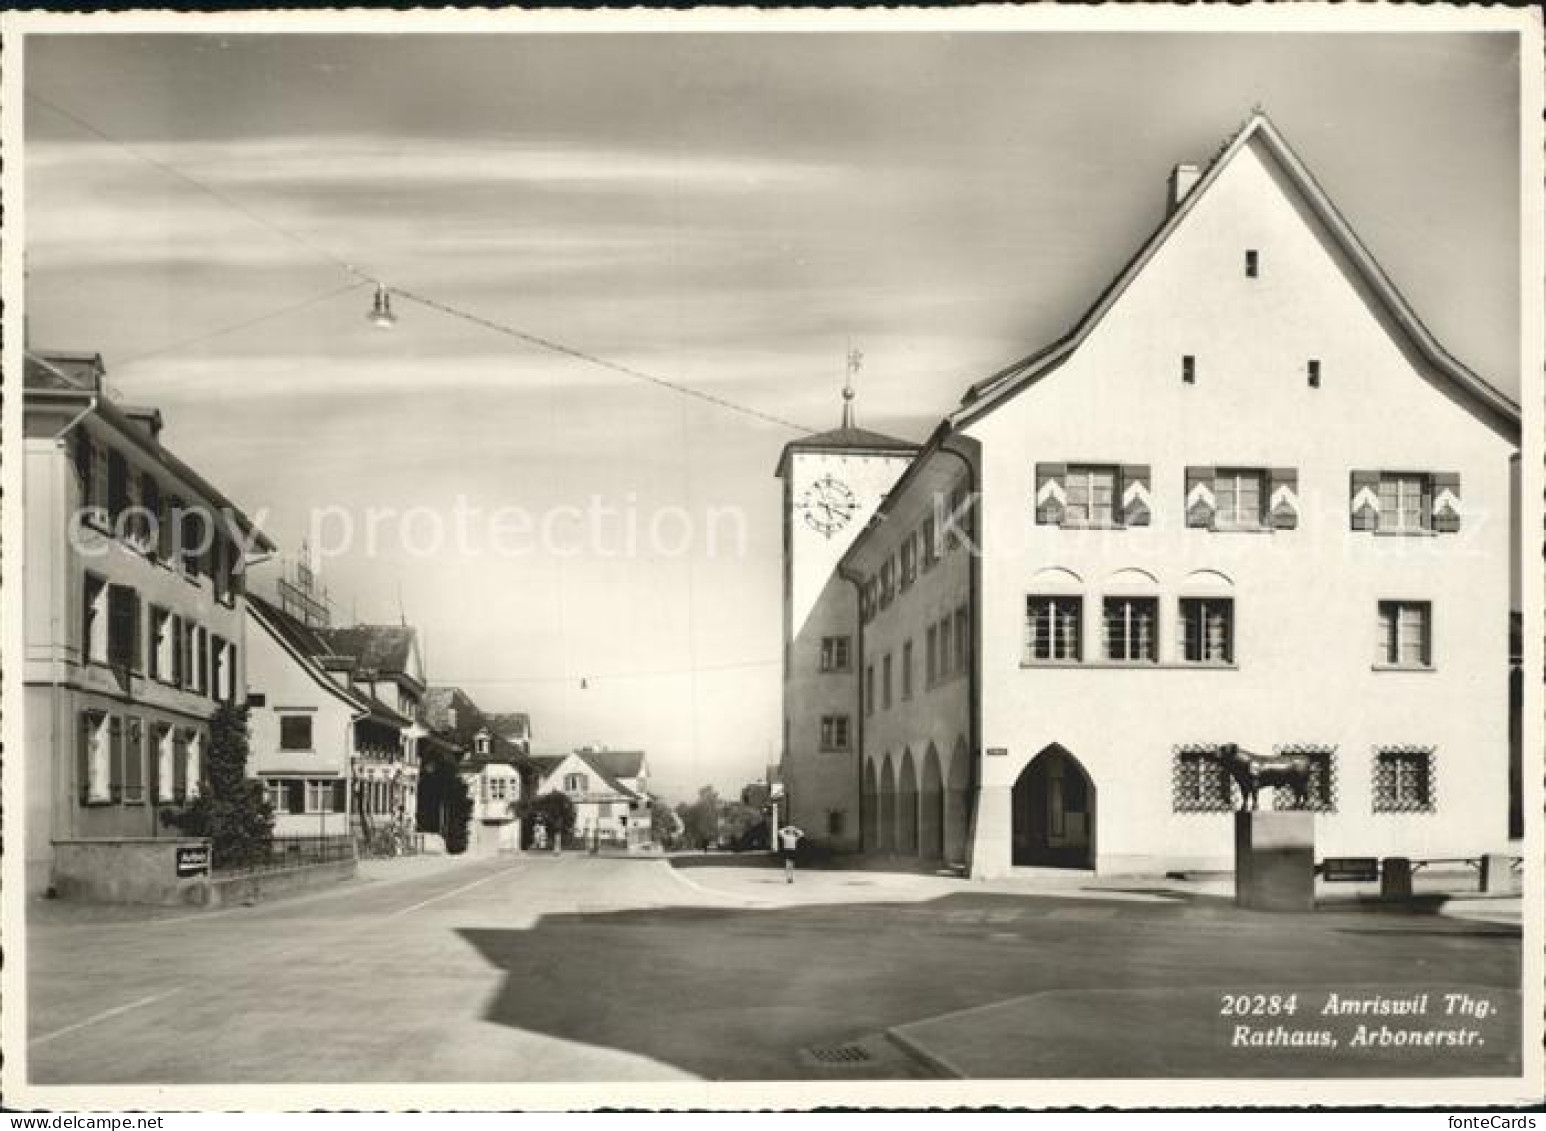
x,y
737,994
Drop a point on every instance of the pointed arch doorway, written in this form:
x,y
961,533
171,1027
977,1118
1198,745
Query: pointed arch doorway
x,y
1054,813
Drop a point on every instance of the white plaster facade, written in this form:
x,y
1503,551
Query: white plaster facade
x,y
1303,669
821,770
118,692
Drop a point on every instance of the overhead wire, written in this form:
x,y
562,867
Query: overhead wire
x,y
359,276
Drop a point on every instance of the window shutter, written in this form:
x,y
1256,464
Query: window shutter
x,y
1364,500
1283,498
1051,493
179,765
134,762
83,759
1135,494
1446,502
1201,503
340,801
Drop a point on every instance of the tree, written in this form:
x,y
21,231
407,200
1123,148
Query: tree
x,y
445,803
665,825
553,810
700,819
231,809
736,821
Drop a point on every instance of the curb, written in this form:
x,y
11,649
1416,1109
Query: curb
x,y
930,1060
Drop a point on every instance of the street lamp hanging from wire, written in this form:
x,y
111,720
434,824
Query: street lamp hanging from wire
x,y
381,315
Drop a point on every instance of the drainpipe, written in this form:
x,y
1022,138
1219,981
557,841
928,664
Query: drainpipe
x,y
965,449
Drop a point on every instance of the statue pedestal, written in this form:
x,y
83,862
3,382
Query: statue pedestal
x,y
1275,861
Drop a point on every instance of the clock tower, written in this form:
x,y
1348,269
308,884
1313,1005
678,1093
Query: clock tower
x,y
833,484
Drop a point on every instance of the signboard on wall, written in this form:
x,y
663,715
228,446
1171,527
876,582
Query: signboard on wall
x,y
192,860
998,751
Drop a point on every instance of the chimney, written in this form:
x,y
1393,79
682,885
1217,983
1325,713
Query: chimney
x,y
1183,178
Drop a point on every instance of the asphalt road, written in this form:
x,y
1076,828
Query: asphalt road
x,y
575,968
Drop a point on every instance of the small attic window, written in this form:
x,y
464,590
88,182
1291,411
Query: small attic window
x,y
1313,370
1188,369
1252,264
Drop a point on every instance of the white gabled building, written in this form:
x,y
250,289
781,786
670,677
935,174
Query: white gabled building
x,y
1247,498
609,790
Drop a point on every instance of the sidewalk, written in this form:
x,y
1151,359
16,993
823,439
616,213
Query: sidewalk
x,y
758,880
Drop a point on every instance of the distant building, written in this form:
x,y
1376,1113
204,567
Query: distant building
x,y
1246,499
383,662
133,609
310,725
610,792
494,763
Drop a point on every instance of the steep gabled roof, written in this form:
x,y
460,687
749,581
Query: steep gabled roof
x,y
616,763
309,649
386,648
986,394
597,761
514,725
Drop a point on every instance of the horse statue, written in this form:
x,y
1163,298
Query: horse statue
x,y
1252,771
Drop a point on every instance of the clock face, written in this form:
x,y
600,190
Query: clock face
x,y
828,504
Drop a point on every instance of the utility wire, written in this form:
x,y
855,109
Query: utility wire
x,y
581,355
604,676
358,276
209,190
235,326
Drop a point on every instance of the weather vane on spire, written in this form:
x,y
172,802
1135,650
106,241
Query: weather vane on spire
x,y
855,360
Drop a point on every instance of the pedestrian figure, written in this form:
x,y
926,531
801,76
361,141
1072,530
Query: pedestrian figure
x,y
789,838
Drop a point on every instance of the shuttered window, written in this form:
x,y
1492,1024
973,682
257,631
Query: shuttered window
x,y
123,632
1404,635
1404,502
134,762
1239,494
1091,495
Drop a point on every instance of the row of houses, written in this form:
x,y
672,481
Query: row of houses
x,y
1247,498
151,599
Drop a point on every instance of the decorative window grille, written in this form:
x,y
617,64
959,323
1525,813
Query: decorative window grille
x,y
1129,624
1208,630
1053,626
1323,777
1199,784
1404,779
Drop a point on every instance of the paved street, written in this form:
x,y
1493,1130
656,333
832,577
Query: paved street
x,y
579,968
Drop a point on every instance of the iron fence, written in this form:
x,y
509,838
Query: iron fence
x,y
390,842
295,851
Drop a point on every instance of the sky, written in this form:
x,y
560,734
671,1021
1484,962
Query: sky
x,y
727,211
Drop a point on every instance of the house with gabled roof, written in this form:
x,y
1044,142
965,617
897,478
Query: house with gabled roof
x,y
310,726
1248,498
609,790
493,762
134,573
